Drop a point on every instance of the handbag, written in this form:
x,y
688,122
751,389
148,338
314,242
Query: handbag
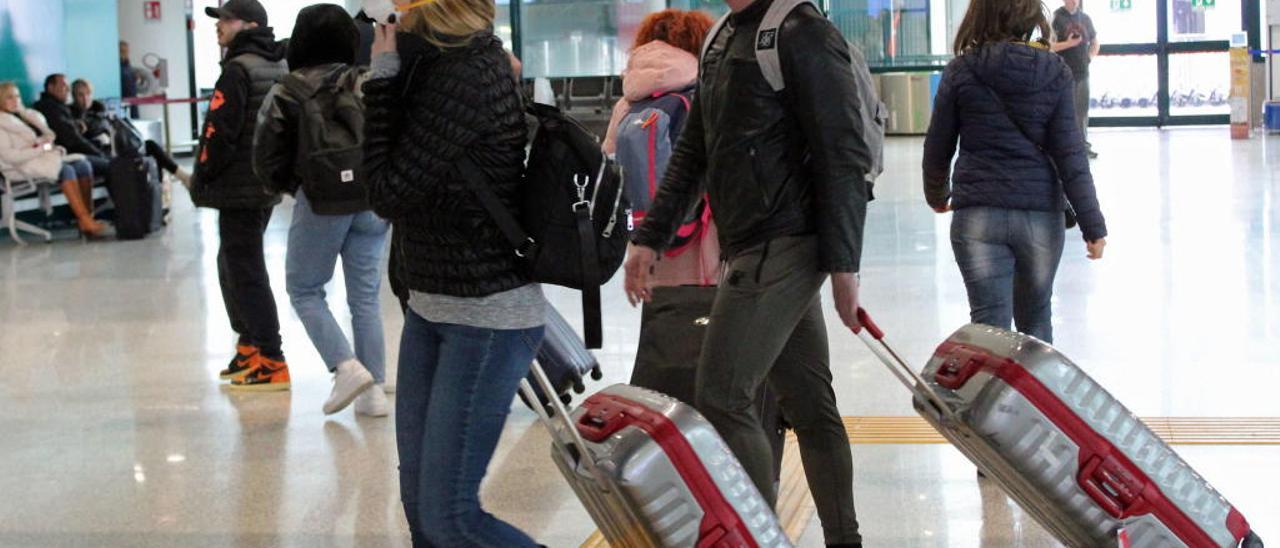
x,y
1068,213
672,326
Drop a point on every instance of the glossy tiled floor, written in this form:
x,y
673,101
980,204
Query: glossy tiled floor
x,y
114,430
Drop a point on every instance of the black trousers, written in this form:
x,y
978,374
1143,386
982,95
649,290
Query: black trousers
x,y
242,273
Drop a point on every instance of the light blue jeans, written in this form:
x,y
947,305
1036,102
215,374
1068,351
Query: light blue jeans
x,y
1009,258
315,244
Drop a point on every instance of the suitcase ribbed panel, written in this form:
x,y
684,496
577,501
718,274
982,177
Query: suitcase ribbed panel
x,y
1040,464
648,503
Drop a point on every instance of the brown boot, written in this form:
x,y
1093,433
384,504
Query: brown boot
x,y
84,215
86,190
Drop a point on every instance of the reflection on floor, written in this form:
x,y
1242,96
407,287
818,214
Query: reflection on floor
x,y
116,431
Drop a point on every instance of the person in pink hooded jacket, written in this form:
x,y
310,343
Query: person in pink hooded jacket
x,y
664,59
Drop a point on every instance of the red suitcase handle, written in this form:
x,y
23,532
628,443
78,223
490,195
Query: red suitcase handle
x,y
873,336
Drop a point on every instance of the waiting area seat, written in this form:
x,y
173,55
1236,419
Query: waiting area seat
x,y
14,190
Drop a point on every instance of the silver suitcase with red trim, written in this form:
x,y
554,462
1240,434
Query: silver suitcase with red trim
x,y
1073,456
653,473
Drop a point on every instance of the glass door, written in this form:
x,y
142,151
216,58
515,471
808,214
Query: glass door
x,y
1162,62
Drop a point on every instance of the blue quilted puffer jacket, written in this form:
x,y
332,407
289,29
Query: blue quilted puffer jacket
x,y
998,166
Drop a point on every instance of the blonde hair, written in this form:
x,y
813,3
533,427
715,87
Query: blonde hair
x,y
450,23
7,87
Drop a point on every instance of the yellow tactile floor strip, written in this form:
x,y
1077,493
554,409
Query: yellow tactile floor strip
x,y
795,506
1174,430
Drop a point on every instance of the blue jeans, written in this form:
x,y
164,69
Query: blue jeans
x,y
315,243
1008,258
455,388
75,170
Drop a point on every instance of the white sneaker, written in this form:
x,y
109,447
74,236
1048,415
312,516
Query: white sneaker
x,y
350,380
373,403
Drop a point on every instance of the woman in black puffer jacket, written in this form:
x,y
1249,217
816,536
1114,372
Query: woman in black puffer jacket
x,y
442,100
1007,102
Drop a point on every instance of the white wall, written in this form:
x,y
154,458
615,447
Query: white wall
x,y
166,38
280,14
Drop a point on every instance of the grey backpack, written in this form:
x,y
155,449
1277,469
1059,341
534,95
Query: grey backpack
x,y
873,112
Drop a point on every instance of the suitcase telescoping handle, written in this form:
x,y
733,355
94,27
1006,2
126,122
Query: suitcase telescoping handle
x,y
873,336
570,444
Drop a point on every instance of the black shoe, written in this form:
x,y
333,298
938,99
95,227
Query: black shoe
x,y
855,545
1092,155
240,364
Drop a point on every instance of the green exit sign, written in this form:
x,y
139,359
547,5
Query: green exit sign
x,y
1125,5
1203,4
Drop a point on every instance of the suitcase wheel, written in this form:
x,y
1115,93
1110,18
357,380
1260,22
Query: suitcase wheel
x,y
566,399
596,374
579,387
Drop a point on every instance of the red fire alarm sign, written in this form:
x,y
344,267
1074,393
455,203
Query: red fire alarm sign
x,y
151,10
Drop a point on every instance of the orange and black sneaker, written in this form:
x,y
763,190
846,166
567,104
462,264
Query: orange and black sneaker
x,y
267,375
241,364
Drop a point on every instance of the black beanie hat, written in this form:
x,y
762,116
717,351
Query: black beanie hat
x,y
323,34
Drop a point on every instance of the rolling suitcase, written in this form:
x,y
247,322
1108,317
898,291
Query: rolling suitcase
x,y
1073,457
672,327
134,186
565,359
653,473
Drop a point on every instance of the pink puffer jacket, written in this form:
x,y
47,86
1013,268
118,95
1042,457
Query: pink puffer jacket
x,y
658,67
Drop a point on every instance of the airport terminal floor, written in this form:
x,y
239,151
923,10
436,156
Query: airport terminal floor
x,y
115,430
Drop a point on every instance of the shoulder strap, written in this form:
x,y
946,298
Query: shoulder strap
x,y
1007,113
519,240
711,37
298,87
767,40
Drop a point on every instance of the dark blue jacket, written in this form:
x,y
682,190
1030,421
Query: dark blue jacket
x,y
998,166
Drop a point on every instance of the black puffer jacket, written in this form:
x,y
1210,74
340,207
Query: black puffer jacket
x,y
775,164
96,124
998,167
446,104
63,123
224,177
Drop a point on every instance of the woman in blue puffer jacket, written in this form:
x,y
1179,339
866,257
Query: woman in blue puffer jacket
x,y
1006,101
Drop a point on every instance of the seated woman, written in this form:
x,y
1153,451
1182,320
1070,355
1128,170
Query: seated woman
x,y
95,125
27,152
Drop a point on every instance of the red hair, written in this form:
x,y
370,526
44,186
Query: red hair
x,y
683,29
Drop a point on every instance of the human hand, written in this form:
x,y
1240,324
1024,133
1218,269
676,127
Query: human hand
x,y
639,265
1074,40
384,39
1095,248
844,287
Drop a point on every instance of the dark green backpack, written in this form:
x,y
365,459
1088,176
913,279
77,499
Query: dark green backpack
x,y
330,133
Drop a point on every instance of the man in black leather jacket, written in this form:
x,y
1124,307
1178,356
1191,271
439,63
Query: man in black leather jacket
x,y
785,174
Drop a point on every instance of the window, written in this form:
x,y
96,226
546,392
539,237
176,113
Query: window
x,y
580,37
885,30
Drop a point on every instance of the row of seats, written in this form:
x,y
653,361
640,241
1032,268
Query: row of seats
x,y
588,99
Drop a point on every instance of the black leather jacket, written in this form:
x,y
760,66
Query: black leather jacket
x,y
775,164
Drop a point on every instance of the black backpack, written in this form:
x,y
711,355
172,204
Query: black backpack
x,y
572,229
330,132
127,141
